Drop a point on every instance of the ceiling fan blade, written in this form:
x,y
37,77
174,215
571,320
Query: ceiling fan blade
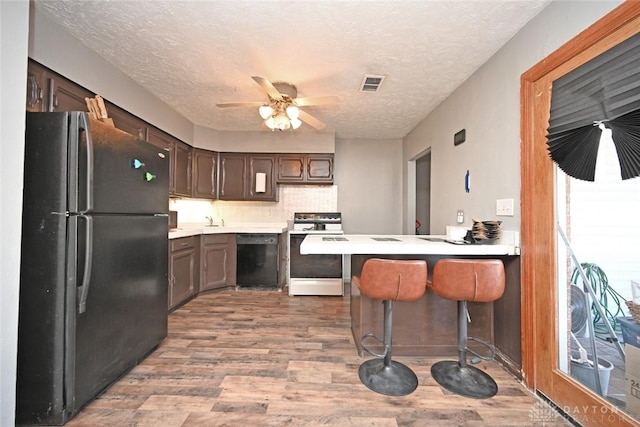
x,y
315,100
311,121
240,104
268,87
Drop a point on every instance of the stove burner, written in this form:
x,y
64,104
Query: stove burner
x,y
330,222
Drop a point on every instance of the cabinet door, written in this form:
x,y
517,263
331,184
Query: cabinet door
x,y
233,174
179,162
182,172
127,122
204,173
291,168
163,140
265,164
36,78
305,169
218,261
184,269
65,95
319,168
182,277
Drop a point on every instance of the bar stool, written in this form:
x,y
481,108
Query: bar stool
x,y
463,280
389,280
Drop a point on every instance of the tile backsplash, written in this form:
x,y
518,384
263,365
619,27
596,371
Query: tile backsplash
x,y
292,198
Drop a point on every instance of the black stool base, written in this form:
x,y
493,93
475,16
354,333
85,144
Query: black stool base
x,y
467,381
395,379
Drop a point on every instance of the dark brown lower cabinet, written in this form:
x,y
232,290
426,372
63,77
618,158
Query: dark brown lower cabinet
x,y
218,255
184,268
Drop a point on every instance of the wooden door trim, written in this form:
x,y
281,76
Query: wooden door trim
x,y
538,230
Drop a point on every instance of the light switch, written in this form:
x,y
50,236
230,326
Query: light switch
x,y
504,207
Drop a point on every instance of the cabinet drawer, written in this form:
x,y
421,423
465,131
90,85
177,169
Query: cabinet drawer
x,y
210,239
183,243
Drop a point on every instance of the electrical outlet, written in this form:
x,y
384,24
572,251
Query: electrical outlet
x,y
460,217
504,207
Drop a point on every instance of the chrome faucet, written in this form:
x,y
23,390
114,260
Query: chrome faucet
x,y
210,219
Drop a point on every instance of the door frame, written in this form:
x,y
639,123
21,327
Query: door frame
x,y
540,365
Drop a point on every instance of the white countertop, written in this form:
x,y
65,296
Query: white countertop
x,y
248,227
367,244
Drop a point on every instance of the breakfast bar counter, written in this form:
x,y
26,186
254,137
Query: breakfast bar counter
x,y
428,326
350,244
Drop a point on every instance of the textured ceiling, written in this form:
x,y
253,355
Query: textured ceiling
x,y
195,54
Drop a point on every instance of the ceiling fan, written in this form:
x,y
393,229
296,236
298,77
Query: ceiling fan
x,y
282,110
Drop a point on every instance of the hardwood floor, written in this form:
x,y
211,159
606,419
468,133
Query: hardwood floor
x,y
262,358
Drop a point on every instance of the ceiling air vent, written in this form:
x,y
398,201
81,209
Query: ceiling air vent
x,y
371,83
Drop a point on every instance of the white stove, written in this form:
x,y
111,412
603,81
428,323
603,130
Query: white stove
x,y
317,223
314,274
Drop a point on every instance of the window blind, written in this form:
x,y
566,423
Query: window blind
x,y
604,90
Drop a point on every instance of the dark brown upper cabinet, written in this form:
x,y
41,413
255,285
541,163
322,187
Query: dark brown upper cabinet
x,y
180,160
233,176
242,176
49,91
36,87
262,179
204,173
305,169
127,122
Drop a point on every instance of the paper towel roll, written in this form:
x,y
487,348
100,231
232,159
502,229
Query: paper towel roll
x,y
261,182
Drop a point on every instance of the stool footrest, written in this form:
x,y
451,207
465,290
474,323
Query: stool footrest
x,y
394,379
466,381
364,347
492,349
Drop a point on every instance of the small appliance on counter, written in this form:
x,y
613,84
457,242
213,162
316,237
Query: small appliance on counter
x,y
314,274
173,220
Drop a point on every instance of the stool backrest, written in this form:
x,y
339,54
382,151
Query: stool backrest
x,y
480,280
390,279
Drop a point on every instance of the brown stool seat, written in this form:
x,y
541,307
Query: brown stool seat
x,y
462,280
478,280
389,280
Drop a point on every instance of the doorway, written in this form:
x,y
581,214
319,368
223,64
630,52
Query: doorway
x,y
541,245
423,193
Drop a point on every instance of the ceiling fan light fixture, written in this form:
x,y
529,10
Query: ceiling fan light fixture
x,y
293,112
282,122
282,111
265,111
271,123
295,123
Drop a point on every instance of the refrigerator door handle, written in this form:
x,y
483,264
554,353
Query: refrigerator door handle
x,y
83,290
84,125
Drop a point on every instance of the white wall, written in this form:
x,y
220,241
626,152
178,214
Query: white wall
x,y
54,48
14,31
368,176
264,141
487,105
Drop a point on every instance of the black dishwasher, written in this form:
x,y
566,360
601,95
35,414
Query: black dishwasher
x,y
257,264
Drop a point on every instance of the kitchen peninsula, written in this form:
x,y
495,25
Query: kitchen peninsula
x,y
428,326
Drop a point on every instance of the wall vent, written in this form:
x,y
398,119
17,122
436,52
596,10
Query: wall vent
x,y
371,83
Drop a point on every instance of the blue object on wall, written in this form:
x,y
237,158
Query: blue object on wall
x,y
467,182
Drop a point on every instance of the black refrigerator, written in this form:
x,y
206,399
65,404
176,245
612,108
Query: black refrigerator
x,y
94,255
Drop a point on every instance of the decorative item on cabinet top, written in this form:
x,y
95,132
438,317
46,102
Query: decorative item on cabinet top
x,y
97,109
